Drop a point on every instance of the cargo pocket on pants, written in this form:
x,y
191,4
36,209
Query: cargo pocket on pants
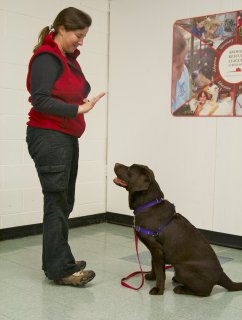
x,y
52,178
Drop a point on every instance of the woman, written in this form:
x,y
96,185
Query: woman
x,y
58,94
198,28
215,33
205,106
180,75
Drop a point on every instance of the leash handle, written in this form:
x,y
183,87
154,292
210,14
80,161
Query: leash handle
x,y
123,283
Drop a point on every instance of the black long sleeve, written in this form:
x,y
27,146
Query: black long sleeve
x,y
45,70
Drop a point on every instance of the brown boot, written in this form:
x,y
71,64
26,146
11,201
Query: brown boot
x,y
81,264
77,279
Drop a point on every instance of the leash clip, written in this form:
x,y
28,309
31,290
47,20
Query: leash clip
x,y
155,234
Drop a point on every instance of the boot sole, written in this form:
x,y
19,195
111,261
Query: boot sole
x,y
80,284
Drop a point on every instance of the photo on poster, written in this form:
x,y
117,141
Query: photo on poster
x,y
207,66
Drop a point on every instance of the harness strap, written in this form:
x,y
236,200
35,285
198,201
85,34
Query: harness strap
x,y
148,205
148,232
153,233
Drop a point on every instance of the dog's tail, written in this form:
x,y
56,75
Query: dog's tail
x,y
228,284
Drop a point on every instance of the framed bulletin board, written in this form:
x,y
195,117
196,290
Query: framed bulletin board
x,y
207,66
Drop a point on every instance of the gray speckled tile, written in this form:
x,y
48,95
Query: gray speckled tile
x,y
145,258
110,251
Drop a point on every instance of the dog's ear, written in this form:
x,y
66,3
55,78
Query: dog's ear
x,y
142,182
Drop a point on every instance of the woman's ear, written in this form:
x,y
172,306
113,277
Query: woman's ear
x,y
61,30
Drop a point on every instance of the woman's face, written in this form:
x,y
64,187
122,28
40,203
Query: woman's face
x,y
178,65
202,99
71,40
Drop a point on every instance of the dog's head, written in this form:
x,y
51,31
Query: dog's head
x,y
134,178
139,181
203,75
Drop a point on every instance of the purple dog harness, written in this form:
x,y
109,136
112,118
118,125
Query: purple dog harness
x,y
148,205
145,206
148,232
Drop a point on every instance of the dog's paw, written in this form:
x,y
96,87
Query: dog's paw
x,y
182,290
178,290
156,291
174,280
150,276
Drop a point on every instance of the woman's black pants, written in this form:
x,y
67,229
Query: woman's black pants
x,y
55,155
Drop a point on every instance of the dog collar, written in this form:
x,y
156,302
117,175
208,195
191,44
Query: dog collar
x,y
148,205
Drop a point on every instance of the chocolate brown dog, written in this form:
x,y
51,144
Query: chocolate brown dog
x,y
170,238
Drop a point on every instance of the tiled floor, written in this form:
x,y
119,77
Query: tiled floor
x,y
109,250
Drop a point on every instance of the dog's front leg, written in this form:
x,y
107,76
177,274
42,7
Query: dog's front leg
x,y
151,275
158,264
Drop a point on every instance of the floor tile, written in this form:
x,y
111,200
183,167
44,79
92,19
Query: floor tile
x,y
110,251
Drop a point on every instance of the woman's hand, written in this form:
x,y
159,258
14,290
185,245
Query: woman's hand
x,y
198,109
89,104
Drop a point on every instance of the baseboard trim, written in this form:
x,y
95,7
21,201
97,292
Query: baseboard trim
x,y
35,229
216,238
223,239
121,219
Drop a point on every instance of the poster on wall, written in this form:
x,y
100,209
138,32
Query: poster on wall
x,y
207,66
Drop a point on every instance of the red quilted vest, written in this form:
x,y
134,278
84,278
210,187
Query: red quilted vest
x,y
71,87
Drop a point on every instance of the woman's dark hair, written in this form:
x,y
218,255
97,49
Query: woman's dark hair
x,y
71,18
199,20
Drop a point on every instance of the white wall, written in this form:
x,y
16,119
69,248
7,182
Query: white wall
x,y
197,161
20,193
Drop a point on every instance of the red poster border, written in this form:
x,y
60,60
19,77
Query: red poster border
x,y
233,40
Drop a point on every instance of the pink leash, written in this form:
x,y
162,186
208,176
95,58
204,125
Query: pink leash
x,y
123,283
